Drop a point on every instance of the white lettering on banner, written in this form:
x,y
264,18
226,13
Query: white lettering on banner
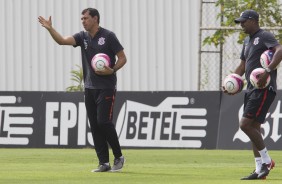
x,y
275,136
68,117
142,125
14,122
276,115
51,122
68,120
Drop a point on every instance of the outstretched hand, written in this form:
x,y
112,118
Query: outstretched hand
x,y
45,23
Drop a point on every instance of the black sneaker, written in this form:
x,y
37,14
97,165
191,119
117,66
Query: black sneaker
x,y
265,169
102,168
252,176
118,164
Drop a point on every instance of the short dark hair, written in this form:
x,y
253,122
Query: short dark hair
x,y
92,12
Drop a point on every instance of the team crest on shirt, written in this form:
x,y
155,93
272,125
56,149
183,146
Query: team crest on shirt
x,y
256,41
101,41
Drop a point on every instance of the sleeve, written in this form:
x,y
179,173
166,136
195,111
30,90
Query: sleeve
x,y
242,57
269,40
78,39
114,43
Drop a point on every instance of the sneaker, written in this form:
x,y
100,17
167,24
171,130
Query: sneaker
x,y
102,168
118,164
252,176
265,169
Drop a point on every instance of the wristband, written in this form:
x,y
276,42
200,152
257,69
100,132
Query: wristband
x,y
268,70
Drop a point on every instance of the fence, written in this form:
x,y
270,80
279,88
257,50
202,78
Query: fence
x,y
217,62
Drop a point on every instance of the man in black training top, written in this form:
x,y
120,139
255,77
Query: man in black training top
x,y
100,86
257,101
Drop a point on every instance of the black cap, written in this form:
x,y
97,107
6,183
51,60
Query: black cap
x,y
247,14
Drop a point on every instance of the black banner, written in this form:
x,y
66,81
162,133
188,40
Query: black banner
x,y
230,137
43,119
143,119
168,119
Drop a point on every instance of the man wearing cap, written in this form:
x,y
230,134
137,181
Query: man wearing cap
x,y
257,101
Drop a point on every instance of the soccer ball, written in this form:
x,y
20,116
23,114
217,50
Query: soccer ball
x,y
255,75
233,83
99,61
266,58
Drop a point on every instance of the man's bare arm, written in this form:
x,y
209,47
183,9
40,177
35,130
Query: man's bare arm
x,y
68,40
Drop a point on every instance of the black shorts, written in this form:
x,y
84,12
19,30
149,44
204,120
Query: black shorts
x,y
257,103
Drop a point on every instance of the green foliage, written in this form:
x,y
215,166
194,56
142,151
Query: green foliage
x,y
269,11
77,77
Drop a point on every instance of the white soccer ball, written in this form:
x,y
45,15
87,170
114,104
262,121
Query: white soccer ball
x,y
233,83
255,76
99,61
266,58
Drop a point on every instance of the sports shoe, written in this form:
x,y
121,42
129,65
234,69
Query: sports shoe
x,y
265,169
118,164
102,168
253,176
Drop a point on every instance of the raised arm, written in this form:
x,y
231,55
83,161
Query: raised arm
x,y
67,40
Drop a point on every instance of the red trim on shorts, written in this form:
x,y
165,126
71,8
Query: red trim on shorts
x,y
262,102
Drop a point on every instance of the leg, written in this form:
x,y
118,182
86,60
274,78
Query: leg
x,y
105,111
257,126
100,143
252,129
252,132
256,105
258,160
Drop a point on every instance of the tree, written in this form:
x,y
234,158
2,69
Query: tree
x,y
269,11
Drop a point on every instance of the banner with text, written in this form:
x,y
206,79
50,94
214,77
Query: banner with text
x,y
168,119
231,137
143,119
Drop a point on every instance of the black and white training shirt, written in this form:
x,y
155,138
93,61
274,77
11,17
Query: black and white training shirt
x,y
254,46
105,42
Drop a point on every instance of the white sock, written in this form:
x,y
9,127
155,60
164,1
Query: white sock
x,y
107,163
264,156
258,163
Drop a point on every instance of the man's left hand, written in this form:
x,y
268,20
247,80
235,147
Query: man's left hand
x,y
262,79
107,71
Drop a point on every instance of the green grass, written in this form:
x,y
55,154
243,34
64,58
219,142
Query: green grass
x,y
147,166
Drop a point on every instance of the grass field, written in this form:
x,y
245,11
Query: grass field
x,y
162,166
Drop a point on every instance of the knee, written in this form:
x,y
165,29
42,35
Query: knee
x,y
245,126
